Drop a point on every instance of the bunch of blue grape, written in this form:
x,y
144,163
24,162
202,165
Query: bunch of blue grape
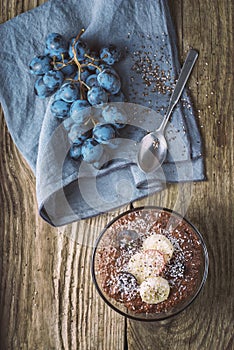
x,y
79,78
93,134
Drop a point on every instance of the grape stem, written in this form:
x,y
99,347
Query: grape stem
x,y
74,51
90,64
79,65
92,58
94,121
63,64
79,34
79,81
82,82
76,61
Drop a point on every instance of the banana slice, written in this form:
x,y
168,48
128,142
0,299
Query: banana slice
x,y
160,243
136,266
148,263
154,290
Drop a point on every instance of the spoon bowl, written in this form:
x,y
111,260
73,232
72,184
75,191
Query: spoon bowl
x,y
152,152
153,147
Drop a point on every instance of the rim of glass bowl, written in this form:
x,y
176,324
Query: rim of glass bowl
x,y
164,317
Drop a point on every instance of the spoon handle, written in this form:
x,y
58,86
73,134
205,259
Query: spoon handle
x,y
182,80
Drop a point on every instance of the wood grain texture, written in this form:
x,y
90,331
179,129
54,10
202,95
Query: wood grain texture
x,y
208,324
47,299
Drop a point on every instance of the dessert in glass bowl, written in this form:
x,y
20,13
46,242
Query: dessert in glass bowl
x,y
149,263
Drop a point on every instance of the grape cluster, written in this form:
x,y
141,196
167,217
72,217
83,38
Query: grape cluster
x,y
79,79
93,134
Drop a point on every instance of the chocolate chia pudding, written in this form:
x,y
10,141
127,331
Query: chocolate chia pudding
x,y
149,262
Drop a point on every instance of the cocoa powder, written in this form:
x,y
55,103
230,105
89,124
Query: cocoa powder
x,y
125,237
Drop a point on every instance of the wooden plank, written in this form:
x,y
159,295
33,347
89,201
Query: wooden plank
x,y
208,323
47,298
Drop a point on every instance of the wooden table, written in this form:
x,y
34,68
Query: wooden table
x,y
47,298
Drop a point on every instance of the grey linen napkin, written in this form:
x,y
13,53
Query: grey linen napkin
x,y
67,190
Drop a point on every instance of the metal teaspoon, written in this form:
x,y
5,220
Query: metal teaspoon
x,y
153,147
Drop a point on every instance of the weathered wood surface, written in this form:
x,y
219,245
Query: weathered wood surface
x,y
47,299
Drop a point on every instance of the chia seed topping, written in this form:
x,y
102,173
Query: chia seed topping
x,y
124,240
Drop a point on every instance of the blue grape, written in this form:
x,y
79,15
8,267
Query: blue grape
x,y
103,66
53,56
92,80
75,132
91,151
113,114
119,97
40,65
80,48
68,123
102,133
110,55
75,152
80,104
93,60
60,109
97,95
84,74
81,137
47,53
53,79
109,81
69,92
56,45
68,70
41,90
79,111
56,95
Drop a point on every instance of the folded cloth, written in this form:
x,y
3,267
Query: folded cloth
x,y
68,190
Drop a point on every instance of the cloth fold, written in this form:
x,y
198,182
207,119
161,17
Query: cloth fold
x,y
68,190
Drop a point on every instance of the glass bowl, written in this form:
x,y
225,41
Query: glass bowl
x,y
149,279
